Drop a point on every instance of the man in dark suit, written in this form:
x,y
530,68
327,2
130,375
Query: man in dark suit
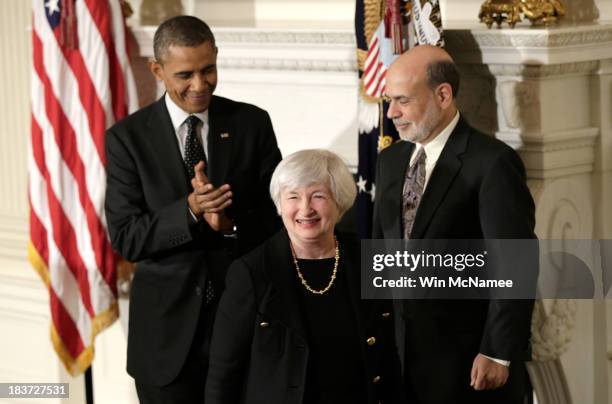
x,y
188,180
448,181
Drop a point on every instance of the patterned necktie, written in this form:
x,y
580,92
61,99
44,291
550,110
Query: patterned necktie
x,y
414,183
194,152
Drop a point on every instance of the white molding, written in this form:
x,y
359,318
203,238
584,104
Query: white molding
x,y
545,38
13,237
289,64
531,46
554,141
557,154
539,71
275,49
334,50
144,36
285,36
23,296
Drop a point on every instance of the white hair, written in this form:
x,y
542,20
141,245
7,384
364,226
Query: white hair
x,y
314,166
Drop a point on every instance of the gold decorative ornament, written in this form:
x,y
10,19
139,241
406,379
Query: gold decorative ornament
x,y
539,12
333,276
384,141
543,11
500,11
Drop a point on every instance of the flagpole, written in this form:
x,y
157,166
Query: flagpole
x,y
89,386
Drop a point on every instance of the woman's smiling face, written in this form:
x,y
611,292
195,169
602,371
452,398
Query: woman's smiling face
x,y
309,214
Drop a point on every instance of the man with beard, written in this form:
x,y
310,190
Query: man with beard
x,y
446,180
188,180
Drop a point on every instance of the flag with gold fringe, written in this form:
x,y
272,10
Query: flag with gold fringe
x,y
81,84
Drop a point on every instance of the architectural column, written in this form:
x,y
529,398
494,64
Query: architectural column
x,y
546,92
602,102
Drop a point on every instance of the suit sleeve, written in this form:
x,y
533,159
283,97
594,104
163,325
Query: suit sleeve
x,y
261,221
232,337
507,211
135,231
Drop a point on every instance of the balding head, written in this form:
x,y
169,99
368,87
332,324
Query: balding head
x,y
427,62
422,85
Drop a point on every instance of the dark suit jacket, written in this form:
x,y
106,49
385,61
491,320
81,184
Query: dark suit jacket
x,y
252,364
148,221
476,191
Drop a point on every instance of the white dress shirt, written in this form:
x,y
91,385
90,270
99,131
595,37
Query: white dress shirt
x,y
433,150
178,116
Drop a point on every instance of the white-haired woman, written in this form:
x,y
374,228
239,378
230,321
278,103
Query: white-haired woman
x,y
291,327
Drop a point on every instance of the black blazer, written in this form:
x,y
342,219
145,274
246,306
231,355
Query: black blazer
x,y
477,190
148,221
256,364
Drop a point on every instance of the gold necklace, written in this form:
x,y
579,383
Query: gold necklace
x,y
333,277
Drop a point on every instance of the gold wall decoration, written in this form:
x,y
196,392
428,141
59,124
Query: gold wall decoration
x,y
539,12
500,11
543,11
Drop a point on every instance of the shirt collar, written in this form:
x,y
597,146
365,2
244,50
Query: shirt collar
x,y
178,116
434,148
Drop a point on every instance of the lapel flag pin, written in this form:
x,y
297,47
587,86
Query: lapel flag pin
x,y
224,135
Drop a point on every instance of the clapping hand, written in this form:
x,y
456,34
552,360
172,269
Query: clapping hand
x,y
209,202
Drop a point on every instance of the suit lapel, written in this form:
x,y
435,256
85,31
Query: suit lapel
x,y
282,303
220,141
163,138
442,177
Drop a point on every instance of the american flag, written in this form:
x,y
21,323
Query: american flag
x,y
386,44
381,37
81,84
376,64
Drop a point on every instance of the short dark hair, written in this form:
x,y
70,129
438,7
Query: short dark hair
x,y
443,71
182,30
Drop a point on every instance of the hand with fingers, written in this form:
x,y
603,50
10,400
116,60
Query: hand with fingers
x,y
487,374
209,202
